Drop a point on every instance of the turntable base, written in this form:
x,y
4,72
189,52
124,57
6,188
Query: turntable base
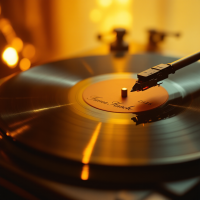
x,y
50,133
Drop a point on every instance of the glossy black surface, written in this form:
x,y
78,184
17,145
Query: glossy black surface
x,y
38,114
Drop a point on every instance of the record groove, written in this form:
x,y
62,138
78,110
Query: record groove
x,y
43,109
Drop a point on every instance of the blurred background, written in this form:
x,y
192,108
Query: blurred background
x,y
33,32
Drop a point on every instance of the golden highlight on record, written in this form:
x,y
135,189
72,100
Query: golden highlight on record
x,y
88,152
74,128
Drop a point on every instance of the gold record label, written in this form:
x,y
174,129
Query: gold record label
x,y
108,95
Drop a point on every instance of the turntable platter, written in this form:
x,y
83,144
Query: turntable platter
x,y
43,109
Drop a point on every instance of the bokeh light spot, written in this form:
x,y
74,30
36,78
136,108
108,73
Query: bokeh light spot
x,y
123,19
108,24
6,29
4,22
24,64
10,57
17,43
124,2
95,15
104,3
28,51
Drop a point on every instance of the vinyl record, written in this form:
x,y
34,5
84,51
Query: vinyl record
x,y
44,115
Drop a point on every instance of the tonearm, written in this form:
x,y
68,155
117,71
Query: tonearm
x,y
152,76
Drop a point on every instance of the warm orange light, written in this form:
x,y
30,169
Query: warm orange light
x,y
5,26
85,172
17,43
7,30
95,15
108,24
104,3
28,51
88,151
24,64
124,2
19,130
123,19
0,9
10,57
3,22
89,148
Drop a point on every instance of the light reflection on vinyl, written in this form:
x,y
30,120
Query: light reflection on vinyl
x,y
47,100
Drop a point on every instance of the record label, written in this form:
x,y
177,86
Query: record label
x,y
108,95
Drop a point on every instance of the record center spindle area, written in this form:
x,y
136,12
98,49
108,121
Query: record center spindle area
x,y
107,95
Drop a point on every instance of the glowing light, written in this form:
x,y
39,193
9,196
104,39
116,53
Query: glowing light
x,y
6,29
88,150
85,172
0,9
28,51
123,1
4,22
24,64
123,18
95,15
17,43
145,87
108,24
10,57
19,130
104,3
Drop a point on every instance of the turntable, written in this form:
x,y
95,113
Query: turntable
x,y
70,131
